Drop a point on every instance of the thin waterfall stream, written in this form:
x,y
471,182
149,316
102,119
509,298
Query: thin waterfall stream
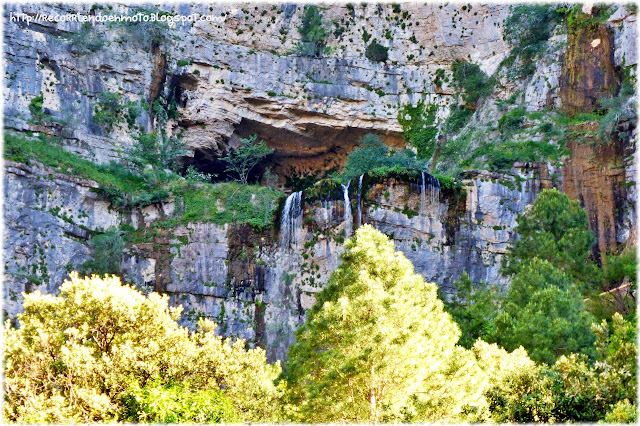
x,y
348,219
291,220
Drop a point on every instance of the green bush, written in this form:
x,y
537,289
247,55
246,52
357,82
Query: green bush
x,y
107,251
458,118
157,152
194,175
87,39
419,127
527,28
35,107
111,108
372,156
313,31
376,52
148,33
472,81
512,120
176,403
244,158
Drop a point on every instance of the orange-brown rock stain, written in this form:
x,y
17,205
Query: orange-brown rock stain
x,y
594,174
588,71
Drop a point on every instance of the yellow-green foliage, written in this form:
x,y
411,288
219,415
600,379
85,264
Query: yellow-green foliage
x,y
379,347
93,353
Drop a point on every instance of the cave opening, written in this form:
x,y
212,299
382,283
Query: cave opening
x,y
299,158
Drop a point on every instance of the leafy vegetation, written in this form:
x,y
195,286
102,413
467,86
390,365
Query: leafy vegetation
x,y
544,312
35,107
224,202
108,249
103,352
474,306
618,111
419,127
471,81
527,28
376,52
512,120
313,32
20,149
459,116
87,40
554,229
148,33
244,158
112,109
373,157
154,153
348,362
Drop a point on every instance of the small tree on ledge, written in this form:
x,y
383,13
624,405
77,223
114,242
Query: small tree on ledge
x,y
244,158
376,52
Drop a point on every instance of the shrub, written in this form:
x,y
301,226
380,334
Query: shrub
x,y
512,120
376,52
107,251
195,175
101,351
470,79
148,33
157,152
419,127
459,116
111,109
35,107
87,39
313,32
373,156
527,28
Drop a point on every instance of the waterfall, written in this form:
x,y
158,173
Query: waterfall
x,y
360,201
291,220
431,185
348,226
423,196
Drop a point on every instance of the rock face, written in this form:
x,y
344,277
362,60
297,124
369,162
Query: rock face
x,y
236,77
48,219
249,282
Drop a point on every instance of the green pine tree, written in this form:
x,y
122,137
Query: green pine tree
x,y
555,229
377,345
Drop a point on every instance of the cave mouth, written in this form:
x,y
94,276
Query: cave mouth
x,y
301,158
298,160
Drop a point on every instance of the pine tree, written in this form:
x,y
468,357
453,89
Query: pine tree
x,y
544,312
555,229
377,345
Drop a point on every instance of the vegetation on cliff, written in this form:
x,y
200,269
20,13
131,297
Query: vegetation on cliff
x,y
150,182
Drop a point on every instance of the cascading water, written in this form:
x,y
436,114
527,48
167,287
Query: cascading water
x,y
360,201
291,220
423,196
429,186
348,225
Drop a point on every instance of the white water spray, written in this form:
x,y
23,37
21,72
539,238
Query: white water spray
x,y
291,220
348,226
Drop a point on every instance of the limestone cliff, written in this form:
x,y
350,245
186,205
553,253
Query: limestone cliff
x,y
240,76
